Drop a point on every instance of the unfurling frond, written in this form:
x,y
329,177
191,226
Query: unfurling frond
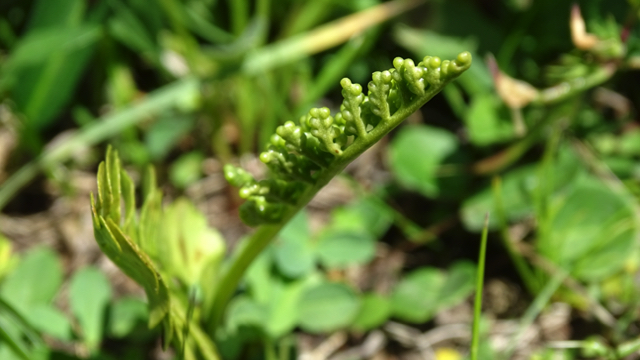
x,y
303,157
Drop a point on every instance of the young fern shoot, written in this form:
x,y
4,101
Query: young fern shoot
x,y
304,157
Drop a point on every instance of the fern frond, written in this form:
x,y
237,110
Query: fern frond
x,y
303,157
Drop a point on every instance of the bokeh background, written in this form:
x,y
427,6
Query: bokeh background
x,y
542,133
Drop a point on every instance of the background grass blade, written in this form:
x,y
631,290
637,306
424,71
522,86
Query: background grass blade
x,y
179,94
477,306
323,37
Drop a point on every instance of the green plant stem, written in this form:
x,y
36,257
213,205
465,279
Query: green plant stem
x,y
576,86
518,260
202,340
552,95
243,257
323,37
239,15
477,306
263,236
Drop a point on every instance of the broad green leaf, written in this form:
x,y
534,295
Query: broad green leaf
x,y
283,310
198,249
125,314
459,285
416,297
591,230
51,321
277,298
486,125
327,307
518,192
364,215
293,252
424,292
416,154
35,280
339,249
259,278
374,311
150,217
89,294
244,311
297,227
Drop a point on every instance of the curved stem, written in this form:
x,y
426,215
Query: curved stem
x,y
263,236
243,258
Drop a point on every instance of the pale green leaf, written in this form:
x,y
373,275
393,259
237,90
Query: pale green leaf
x,y
374,311
293,252
35,280
364,215
415,298
340,249
486,124
591,230
125,314
89,294
459,285
327,307
283,310
244,311
416,154
51,321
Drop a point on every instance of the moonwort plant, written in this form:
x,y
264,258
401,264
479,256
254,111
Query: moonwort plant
x,y
302,158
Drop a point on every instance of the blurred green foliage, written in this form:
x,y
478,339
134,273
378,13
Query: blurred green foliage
x,y
543,134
